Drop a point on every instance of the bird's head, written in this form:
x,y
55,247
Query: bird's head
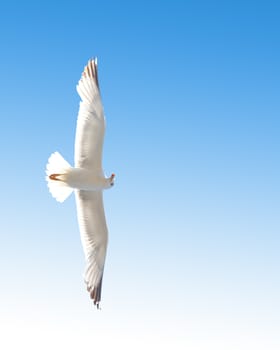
x,y
111,180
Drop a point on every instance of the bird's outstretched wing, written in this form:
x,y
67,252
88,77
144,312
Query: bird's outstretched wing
x,y
91,122
94,236
88,154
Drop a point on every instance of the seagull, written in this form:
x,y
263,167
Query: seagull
x,y
86,179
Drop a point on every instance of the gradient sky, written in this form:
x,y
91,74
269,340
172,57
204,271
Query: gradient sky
x,y
191,95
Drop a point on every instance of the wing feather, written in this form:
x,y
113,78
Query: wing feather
x,y
94,237
91,121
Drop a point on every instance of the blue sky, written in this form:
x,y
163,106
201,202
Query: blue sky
x,y
191,94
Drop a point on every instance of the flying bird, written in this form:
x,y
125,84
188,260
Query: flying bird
x,y
86,179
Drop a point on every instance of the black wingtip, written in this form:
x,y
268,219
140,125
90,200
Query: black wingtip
x,y
90,70
95,294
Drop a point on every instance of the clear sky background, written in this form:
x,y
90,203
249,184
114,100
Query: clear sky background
x,y
191,95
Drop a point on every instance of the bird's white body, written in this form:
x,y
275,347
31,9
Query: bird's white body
x,y
86,179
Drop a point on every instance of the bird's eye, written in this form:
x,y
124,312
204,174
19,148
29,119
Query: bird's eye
x,y
112,184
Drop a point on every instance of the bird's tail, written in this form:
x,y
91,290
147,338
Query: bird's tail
x,y
56,170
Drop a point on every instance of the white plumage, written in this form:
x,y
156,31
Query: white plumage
x,y
86,179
